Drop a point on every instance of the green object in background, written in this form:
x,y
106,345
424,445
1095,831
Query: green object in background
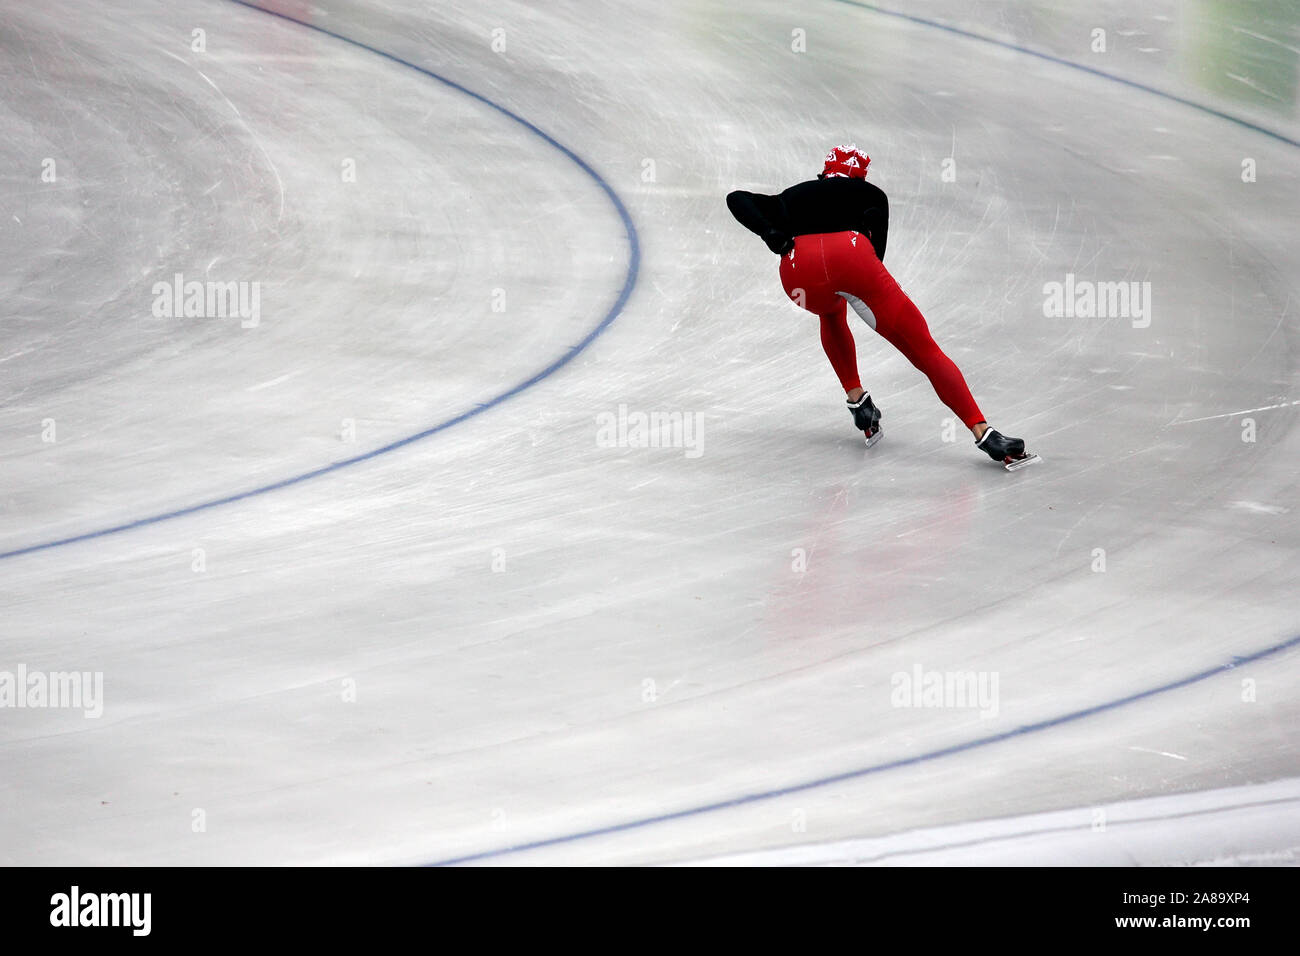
x,y
1246,51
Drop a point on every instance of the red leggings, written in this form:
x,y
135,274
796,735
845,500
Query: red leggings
x,y
826,271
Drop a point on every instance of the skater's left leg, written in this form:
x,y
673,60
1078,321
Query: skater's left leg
x,y
837,342
804,277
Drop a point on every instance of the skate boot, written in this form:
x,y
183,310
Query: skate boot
x,y
1008,452
866,417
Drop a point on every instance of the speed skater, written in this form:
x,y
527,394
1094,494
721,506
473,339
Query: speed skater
x,y
830,234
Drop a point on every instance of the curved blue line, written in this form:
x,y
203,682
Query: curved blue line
x,y
982,741
629,282
874,768
1061,61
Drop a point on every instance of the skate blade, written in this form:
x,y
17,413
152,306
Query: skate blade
x,y
874,438
1015,464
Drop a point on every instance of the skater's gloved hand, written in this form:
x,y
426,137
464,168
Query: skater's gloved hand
x,y
778,241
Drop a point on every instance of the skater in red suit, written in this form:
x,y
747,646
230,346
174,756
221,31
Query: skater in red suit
x,y
830,234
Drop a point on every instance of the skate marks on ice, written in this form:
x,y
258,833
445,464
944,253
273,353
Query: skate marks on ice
x,y
604,652
1181,830
552,843
585,337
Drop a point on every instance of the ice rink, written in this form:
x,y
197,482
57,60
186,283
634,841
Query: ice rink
x,y
365,574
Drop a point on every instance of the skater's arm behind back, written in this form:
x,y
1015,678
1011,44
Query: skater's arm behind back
x,y
754,211
764,216
822,205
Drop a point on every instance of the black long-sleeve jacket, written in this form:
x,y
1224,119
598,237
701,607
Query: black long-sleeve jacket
x,y
837,204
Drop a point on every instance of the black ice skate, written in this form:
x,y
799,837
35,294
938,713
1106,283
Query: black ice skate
x,y
1008,452
867,417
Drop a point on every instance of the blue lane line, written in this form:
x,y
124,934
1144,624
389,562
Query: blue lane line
x,y
875,768
629,282
1051,58
983,741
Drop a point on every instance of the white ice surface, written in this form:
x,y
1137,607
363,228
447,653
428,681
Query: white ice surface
x,y
646,647
1256,825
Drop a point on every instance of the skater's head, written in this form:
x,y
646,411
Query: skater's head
x,y
846,161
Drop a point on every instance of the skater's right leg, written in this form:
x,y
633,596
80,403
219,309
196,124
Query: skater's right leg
x,y
887,308
903,326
